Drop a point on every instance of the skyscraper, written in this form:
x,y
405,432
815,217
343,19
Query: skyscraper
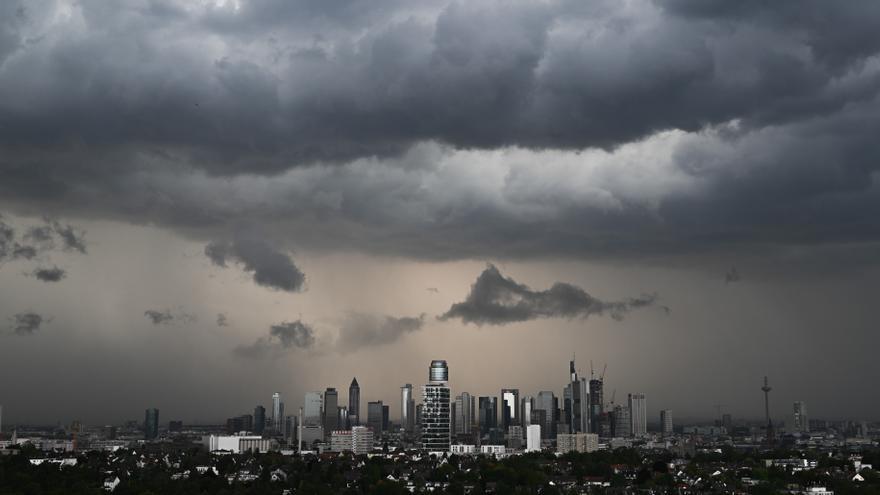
x,y
276,411
510,414
313,409
464,413
666,422
259,420
800,420
546,401
527,405
331,413
578,411
597,406
375,417
621,422
151,424
488,414
435,409
638,414
407,408
354,402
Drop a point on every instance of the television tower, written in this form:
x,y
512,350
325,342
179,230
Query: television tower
x,y
766,389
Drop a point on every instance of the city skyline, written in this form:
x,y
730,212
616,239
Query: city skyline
x,y
204,203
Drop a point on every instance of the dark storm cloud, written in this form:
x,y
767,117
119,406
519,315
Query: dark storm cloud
x,y
360,330
281,338
53,274
271,268
26,323
142,113
497,300
167,317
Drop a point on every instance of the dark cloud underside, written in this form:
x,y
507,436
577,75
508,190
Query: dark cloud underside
x,y
498,300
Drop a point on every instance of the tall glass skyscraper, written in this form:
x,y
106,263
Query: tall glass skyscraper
x,y
597,407
435,409
276,412
407,408
638,414
488,414
331,413
259,419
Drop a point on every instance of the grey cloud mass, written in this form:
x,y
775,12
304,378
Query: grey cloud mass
x,y
167,317
53,274
26,323
281,338
660,126
361,330
271,268
498,300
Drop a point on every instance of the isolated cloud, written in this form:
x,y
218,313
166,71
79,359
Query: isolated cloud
x,y
26,323
282,337
497,300
222,320
167,317
270,267
732,275
361,330
37,240
53,274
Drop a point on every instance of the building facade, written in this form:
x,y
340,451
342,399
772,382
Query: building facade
x,y
436,409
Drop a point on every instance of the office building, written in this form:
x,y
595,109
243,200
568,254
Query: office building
x,y
276,411
526,406
313,409
354,402
151,424
800,419
597,404
259,420
638,415
358,440
238,444
577,405
666,422
407,408
488,414
546,402
342,418
464,413
510,408
376,417
515,437
577,442
621,422
533,438
436,409
331,412
240,424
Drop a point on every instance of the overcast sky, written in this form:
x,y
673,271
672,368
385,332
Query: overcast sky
x,y
206,202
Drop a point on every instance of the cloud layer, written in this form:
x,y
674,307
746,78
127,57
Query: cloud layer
x,y
498,300
450,130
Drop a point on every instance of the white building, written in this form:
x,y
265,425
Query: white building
x,y
462,449
493,449
577,442
239,443
638,415
358,440
533,438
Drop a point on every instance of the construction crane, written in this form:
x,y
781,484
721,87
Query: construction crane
x,y
602,376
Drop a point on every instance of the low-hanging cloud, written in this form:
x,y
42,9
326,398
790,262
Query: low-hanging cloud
x,y
222,320
53,274
27,323
497,300
270,267
361,330
282,337
38,240
167,317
